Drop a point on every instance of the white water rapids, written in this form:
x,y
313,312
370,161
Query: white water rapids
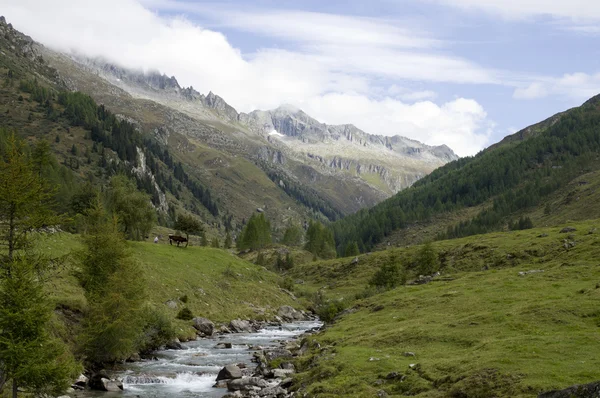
x,y
191,372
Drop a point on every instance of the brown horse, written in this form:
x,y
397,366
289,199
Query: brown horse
x,y
177,239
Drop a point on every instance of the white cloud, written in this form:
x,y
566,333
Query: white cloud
x,y
575,15
461,124
338,65
576,86
573,9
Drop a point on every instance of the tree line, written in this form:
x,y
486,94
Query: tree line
x,y
514,177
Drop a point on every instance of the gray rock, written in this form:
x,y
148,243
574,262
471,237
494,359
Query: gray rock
x,y
220,384
566,230
281,373
204,326
277,353
409,354
287,365
245,383
81,381
591,390
275,391
111,385
174,345
289,314
172,304
240,326
354,261
381,394
533,271
229,372
286,383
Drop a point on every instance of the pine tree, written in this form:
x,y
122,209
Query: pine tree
x,y
29,356
256,234
228,241
215,243
203,239
292,236
352,249
320,240
114,287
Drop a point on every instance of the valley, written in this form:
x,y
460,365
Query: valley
x,y
310,259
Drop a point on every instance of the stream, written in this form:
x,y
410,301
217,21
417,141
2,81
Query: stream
x,y
191,372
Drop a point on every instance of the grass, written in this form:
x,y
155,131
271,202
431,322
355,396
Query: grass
x,y
481,330
218,285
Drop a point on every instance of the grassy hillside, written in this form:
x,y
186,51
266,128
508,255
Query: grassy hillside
x,y
479,330
218,285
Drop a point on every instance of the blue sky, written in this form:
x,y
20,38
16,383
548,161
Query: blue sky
x,y
460,72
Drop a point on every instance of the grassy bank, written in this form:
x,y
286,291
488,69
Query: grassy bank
x,y
210,282
480,330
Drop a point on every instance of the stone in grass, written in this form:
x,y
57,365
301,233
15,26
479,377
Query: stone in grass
x,y
566,230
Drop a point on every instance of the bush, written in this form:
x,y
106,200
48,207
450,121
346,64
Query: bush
x,y
288,284
185,314
427,260
327,309
158,330
389,275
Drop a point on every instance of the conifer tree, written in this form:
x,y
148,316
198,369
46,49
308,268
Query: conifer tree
x,y
29,356
228,241
114,287
256,234
292,236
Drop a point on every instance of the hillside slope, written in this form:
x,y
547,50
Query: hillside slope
x,y
483,193
480,329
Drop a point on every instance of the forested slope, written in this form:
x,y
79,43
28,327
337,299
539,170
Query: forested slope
x,y
504,180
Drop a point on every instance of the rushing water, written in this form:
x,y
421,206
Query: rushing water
x,y
191,372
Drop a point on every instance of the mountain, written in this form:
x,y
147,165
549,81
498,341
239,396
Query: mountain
x,y
282,161
535,174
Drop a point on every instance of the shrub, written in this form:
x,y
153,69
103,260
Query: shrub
x,y
158,330
185,314
427,260
389,275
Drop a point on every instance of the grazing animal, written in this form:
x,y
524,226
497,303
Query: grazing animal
x,y
177,239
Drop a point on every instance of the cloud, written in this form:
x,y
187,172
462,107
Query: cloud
x,y
576,86
574,15
461,124
332,67
573,9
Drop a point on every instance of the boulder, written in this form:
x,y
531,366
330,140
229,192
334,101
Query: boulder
x,y
286,383
81,381
591,390
566,230
224,345
111,385
277,353
204,326
281,373
220,384
245,383
275,391
229,372
240,326
289,314
174,345
172,304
